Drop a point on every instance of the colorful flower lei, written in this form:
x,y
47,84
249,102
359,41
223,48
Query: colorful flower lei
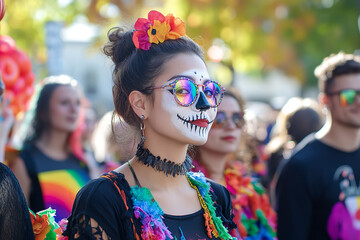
x,y
253,214
44,225
156,29
151,216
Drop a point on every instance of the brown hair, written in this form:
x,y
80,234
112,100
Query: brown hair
x,y
336,65
136,69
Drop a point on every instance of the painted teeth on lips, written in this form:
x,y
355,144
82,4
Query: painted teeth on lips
x,y
200,122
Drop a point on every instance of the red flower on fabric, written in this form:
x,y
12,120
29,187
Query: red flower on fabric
x,y
156,29
41,225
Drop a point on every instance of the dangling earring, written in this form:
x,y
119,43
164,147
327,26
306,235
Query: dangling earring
x,y
142,129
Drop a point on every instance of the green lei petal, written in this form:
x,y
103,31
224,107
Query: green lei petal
x,y
204,189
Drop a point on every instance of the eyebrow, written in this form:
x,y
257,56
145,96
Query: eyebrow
x,y
179,76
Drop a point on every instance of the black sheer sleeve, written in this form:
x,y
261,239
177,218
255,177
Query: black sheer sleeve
x,y
101,211
223,205
15,220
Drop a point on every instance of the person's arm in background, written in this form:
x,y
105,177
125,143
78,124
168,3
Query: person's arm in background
x,y
19,169
6,121
294,202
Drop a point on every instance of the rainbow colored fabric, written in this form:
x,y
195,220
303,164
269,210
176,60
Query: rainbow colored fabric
x,y
151,215
59,189
253,214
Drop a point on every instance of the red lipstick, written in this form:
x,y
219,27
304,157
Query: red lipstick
x,y
228,138
200,122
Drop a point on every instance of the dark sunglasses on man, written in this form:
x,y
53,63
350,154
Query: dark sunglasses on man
x,y
221,119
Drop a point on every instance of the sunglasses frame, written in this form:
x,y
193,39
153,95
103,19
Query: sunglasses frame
x,y
340,92
177,79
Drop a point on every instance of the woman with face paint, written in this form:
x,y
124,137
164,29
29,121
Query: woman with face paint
x,y
219,159
162,87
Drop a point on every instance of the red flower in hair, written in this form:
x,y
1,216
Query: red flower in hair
x,y
2,9
156,29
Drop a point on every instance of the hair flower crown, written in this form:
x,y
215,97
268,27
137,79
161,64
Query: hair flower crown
x,y
156,29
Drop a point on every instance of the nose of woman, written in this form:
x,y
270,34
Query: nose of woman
x,y
202,103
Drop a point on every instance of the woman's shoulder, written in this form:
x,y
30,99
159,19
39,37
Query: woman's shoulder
x,y
27,148
107,187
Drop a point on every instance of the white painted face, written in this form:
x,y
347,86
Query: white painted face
x,y
170,121
191,122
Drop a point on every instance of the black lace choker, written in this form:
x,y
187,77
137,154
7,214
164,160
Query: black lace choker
x,y
168,167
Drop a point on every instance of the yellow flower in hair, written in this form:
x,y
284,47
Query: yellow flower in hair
x,y
158,31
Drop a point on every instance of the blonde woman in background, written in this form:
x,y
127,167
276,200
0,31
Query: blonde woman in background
x,y
227,158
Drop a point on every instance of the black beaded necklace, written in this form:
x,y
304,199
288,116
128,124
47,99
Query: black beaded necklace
x,y
168,167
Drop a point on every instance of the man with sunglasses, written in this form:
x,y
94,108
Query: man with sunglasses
x,y
318,190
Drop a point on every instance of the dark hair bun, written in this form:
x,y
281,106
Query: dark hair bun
x,y
120,45
136,69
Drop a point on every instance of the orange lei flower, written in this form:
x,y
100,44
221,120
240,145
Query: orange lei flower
x,y
41,226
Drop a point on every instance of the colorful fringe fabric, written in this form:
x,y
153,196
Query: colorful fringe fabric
x,y
253,214
215,222
151,216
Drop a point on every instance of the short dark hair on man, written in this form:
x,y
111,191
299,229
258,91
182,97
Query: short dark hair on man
x,y
336,65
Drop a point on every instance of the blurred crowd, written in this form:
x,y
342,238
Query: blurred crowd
x,y
66,144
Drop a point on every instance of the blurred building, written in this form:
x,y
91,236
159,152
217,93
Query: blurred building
x,y
87,64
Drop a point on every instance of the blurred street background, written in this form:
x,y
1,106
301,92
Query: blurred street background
x,y
266,48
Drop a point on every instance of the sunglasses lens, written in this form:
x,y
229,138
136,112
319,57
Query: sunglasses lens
x,y
213,93
238,119
347,97
185,92
219,120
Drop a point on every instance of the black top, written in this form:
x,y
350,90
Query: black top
x,y
15,220
50,178
100,200
315,178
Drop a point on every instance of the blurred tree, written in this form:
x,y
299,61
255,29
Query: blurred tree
x,y
291,35
256,36
25,21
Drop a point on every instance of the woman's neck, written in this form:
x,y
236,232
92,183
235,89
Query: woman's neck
x,y
165,149
54,144
214,164
170,149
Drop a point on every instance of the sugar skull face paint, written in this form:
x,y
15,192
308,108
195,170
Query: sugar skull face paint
x,y
193,121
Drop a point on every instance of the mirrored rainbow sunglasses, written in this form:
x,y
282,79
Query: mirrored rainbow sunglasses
x,y
186,91
347,96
